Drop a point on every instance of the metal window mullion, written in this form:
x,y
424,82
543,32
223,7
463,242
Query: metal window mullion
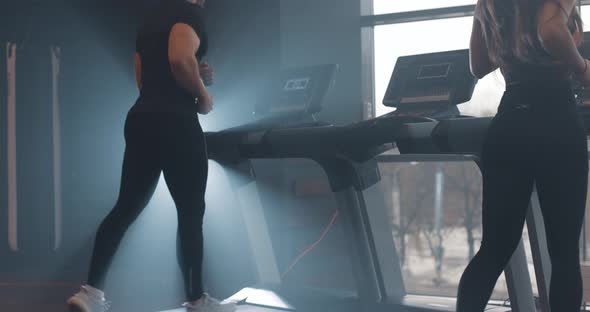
x,y
368,73
417,16
424,15
368,64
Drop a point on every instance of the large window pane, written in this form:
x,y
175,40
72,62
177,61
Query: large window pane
x,y
393,41
395,6
436,244
586,16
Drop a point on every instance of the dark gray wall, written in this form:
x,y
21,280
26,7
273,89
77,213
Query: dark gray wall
x,y
245,53
326,31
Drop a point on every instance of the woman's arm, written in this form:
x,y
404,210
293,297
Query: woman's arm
x,y
557,38
183,44
479,58
138,70
480,62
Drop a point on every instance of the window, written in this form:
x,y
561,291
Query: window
x,y
435,247
586,16
396,6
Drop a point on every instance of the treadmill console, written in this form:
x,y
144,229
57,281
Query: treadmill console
x,y
431,84
293,99
301,90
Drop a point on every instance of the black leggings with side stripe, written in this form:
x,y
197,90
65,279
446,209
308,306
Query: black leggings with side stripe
x,y
537,138
175,145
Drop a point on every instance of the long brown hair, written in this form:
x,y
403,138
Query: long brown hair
x,y
510,30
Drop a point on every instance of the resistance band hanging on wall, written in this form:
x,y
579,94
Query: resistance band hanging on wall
x,y
11,147
56,123
33,149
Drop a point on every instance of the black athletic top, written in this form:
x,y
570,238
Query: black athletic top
x,y
541,68
160,92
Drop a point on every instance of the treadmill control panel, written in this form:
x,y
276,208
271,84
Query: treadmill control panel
x,y
302,90
430,82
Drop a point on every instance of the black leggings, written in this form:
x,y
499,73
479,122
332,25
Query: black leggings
x,y
169,143
537,138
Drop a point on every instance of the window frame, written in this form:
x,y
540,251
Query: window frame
x,y
371,20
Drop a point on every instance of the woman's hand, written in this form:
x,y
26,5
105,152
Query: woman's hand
x,y
207,73
205,104
578,37
584,77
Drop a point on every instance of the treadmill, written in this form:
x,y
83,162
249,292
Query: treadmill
x,y
431,86
348,155
454,138
293,102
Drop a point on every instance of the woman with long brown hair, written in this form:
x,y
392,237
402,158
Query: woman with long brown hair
x,y
537,138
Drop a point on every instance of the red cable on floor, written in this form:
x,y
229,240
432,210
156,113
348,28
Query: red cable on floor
x,y
312,246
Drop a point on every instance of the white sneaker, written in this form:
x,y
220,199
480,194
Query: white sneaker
x,y
209,304
85,301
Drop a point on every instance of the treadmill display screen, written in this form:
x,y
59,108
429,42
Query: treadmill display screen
x,y
430,81
299,84
434,71
301,90
296,93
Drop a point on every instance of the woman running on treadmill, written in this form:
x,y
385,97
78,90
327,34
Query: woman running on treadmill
x,y
163,134
537,138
